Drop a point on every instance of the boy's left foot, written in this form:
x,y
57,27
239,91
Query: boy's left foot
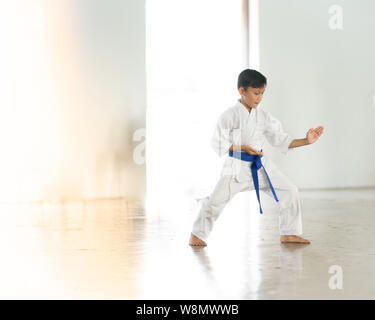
x,y
293,239
195,241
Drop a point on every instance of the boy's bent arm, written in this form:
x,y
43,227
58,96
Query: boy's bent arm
x,y
245,148
237,147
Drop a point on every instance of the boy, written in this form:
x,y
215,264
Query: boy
x,y
240,133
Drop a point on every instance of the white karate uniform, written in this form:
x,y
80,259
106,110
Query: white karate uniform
x,y
239,127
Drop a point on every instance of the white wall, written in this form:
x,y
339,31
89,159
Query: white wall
x,y
194,55
75,92
321,74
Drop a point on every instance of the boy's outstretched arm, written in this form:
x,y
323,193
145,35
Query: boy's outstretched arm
x,y
311,136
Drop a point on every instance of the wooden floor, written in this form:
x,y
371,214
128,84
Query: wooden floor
x,y
108,250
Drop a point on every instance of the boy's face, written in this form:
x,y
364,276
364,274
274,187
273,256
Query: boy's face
x,y
252,96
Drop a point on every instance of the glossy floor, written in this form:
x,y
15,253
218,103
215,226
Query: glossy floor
x,y
107,250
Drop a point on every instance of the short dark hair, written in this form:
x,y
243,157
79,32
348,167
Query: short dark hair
x,y
251,78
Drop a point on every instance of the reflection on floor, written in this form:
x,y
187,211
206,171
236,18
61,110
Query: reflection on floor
x,y
107,250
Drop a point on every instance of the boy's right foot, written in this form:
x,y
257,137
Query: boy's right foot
x,y
293,239
195,241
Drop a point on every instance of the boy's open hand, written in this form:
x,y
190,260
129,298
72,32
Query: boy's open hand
x,y
251,150
313,134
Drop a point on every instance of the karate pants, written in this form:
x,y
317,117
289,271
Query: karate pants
x,y
290,217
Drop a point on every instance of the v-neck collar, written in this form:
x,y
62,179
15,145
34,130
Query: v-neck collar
x,y
244,109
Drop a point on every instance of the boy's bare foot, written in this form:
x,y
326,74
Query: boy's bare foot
x,y
195,241
293,239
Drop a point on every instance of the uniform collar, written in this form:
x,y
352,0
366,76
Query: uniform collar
x,y
244,110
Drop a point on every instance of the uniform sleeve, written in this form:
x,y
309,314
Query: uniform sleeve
x,y
275,134
222,138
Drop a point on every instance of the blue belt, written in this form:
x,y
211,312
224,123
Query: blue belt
x,y
255,166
